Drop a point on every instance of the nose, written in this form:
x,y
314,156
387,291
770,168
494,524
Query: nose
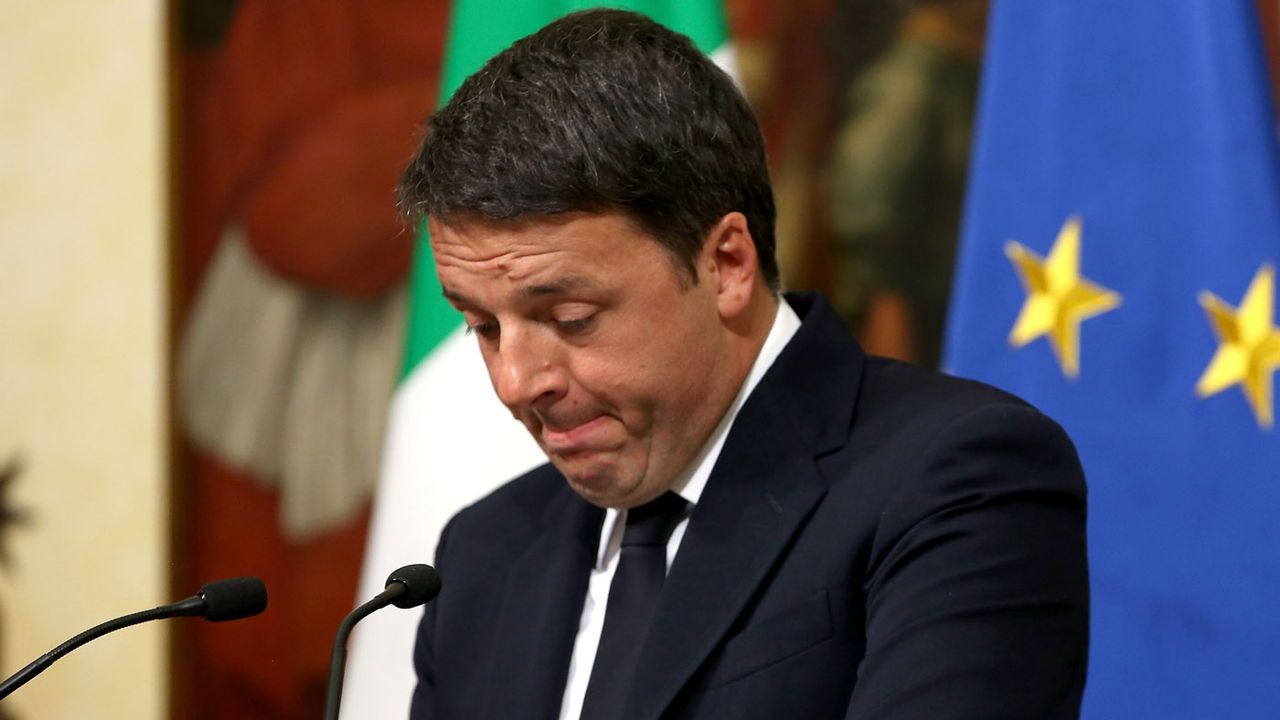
x,y
526,371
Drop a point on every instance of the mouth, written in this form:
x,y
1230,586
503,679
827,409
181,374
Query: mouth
x,y
573,439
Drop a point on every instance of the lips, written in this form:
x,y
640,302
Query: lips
x,y
570,439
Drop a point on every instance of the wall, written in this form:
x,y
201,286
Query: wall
x,y
83,349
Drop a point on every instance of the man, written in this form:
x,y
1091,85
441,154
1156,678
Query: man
x,y
841,536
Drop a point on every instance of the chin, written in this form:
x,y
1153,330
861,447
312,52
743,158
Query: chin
x,y
604,489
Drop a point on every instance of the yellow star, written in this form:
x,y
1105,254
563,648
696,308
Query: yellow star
x,y
1248,345
1058,299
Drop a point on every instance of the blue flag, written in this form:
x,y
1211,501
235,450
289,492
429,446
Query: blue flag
x,y
1117,270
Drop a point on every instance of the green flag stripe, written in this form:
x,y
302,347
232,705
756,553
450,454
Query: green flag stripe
x,y
431,318
477,32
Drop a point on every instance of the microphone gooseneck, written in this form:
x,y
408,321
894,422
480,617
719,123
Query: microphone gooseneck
x,y
407,587
229,599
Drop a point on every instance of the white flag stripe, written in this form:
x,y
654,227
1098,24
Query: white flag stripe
x,y
450,443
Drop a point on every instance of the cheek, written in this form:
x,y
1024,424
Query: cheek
x,y
653,367
672,375
612,379
621,380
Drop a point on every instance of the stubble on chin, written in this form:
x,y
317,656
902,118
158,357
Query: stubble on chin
x,y
603,485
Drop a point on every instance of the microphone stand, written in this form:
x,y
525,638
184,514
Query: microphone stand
x,y
338,660
229,599
189,607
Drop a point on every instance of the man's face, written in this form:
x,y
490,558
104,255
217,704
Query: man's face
x,y
614,361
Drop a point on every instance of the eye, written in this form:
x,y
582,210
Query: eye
x,y
576,326
574,318
483,330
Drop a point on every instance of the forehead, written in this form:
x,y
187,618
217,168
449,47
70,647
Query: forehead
x,y
605,239
473,238
478,256
482,262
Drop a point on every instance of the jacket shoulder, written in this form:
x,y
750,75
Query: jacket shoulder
x,y
898,397
513,505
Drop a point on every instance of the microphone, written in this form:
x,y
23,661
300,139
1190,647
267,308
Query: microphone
x,y
408,587
218,601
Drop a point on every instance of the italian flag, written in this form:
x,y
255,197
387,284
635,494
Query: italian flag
x,y
450,442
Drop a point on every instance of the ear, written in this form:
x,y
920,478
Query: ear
x,y
729,255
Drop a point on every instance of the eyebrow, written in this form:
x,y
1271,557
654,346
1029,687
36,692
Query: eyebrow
x,y
455,298
559,286
569,283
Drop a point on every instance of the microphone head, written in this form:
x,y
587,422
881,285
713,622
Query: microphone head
x,y
233,598
421,583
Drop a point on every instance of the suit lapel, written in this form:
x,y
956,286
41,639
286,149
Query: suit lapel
x,y
541,609
740,527
763,488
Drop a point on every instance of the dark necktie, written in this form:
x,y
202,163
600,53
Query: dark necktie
x,y
633,595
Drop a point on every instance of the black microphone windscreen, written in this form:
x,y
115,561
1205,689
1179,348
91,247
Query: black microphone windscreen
x,y
233,598
421,583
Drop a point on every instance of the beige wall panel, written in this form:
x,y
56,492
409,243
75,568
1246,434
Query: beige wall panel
x,y
82,348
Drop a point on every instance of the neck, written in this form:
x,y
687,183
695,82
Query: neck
x,y
750,329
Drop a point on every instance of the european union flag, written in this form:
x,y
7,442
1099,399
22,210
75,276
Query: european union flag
x,y
1117,270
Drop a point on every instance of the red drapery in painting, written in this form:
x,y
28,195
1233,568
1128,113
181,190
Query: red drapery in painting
x,y
296,127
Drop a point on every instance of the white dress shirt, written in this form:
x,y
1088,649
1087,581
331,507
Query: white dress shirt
x,y
689,486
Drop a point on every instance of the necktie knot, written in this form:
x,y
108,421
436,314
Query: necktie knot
x,y
652,523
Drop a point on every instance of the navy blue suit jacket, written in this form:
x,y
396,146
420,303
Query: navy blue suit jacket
x,y
875,541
